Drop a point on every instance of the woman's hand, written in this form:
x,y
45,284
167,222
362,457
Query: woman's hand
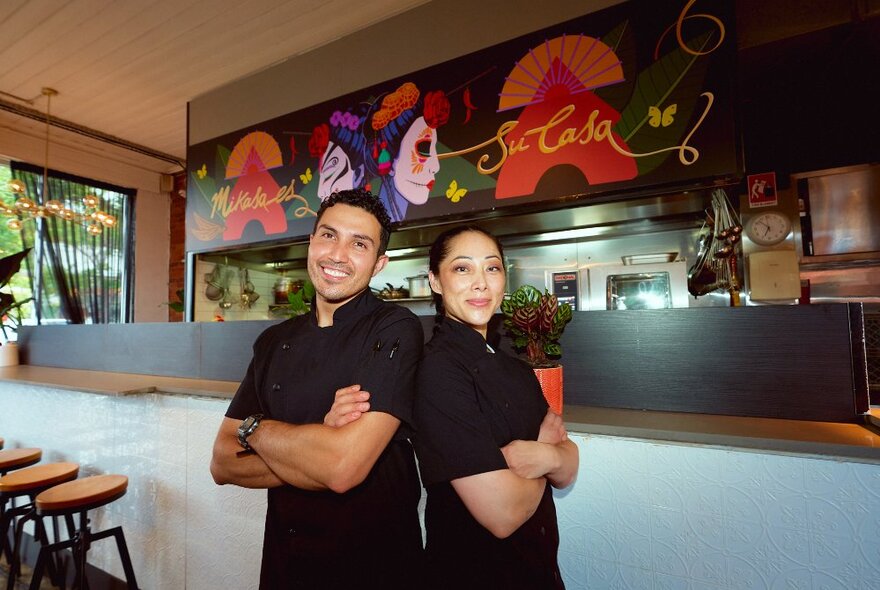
x,y
552,429
530,459
349,404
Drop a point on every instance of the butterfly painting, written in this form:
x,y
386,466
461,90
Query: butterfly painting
x,y
454,193
202,172
665,119
306,176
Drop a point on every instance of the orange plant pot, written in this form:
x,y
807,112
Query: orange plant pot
x,y
551,384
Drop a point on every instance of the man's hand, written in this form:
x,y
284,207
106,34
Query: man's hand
x,y
529,459
349,404
552,429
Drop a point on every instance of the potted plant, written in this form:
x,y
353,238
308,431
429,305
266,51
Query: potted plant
x,y
10,309
536,320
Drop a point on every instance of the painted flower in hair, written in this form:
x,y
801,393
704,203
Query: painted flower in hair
x,y
319,140
346,119
436,109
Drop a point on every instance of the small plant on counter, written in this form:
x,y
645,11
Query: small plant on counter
x,y
301,299
10,309
536,322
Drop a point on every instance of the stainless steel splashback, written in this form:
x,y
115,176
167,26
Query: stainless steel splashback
x,y
839,239
844,210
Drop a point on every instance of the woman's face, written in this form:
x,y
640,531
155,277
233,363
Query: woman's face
x,y
471,280
416,163
335,172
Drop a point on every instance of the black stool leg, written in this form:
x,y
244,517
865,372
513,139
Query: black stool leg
x,y
80,549
126,559
79,542
56,574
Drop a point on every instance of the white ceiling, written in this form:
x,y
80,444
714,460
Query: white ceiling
x,y
127,68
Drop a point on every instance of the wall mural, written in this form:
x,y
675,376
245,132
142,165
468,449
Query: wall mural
x,y
634,97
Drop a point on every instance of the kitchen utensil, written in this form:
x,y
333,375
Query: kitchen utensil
x,y
419,286
396,292
282,289
248,295
214,288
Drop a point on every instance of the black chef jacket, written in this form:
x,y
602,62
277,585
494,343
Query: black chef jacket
x,y
470,403
370,534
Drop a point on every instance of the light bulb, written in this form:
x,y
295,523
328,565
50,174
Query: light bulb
x,y
54,206
109,221
16,186
66,214
90,201
94,229
24,203
14,224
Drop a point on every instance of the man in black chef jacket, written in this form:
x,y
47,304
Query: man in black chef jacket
x,y
342,500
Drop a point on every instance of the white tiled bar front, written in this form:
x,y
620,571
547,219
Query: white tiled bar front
x,y
642,515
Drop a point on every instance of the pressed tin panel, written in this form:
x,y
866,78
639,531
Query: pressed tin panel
x,y
651,515
642,515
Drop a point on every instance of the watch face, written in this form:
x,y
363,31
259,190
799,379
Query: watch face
x,y
767,229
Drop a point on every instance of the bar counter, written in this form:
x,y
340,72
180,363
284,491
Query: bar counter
x,y
811,438
663,499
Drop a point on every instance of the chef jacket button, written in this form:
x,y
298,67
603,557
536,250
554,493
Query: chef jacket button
x,y
543,531
285,346
291,531
276,387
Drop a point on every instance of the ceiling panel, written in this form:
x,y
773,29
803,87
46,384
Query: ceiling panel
x,y
128,68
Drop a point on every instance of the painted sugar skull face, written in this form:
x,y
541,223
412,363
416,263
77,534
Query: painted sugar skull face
x,y
417,163
336,172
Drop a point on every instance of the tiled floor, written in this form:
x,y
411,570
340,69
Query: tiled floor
x,y
24,580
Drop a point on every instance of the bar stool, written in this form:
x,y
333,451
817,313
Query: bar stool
x,y
10,460
80,496
17,458
1,442
30,482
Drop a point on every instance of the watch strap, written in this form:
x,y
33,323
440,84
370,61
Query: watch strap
x,y
247,428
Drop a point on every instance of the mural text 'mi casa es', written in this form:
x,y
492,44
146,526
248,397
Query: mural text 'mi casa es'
x,y
615,102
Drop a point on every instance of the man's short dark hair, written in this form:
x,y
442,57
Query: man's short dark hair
x,y
362,199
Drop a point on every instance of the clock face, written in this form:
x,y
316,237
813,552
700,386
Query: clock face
x,y
768,229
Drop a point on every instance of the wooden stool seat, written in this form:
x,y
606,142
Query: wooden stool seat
x,y
29,481
18,458
40,476
81,494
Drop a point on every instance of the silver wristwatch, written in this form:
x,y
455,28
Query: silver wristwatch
x,y
247,428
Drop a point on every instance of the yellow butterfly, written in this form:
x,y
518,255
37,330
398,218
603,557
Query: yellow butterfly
x,y
306,176
453,193
202,172
656,119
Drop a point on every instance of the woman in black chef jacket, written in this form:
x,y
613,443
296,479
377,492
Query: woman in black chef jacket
x,y
489,449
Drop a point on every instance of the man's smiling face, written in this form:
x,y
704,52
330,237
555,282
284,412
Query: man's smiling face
x,y
344,253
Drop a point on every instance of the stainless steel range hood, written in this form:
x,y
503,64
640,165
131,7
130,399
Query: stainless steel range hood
x,y
585,222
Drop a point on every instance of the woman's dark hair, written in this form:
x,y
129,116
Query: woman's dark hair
x,y
346,131
440,250
362,199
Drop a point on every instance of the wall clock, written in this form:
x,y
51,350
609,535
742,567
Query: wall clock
x,y
768,228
